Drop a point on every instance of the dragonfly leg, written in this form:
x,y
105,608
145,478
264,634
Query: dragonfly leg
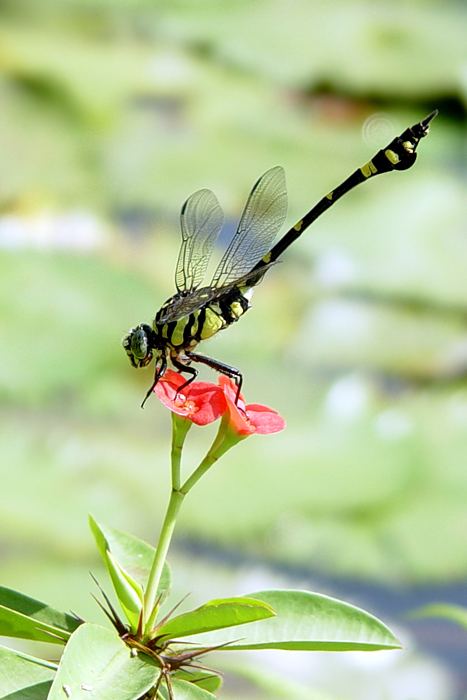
x,y
220,367
160,370
184,368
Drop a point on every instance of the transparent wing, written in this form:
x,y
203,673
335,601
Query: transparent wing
x,y
201,220
196,300
187,305
264,214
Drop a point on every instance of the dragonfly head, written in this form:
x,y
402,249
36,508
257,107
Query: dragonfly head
x,y
139,345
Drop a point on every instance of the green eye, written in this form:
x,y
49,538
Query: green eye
x,y
139,344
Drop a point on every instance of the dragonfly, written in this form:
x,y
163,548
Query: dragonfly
x,y
196,313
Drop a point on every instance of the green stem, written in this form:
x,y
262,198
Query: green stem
x,y
180,428
206,464
176,498
225,439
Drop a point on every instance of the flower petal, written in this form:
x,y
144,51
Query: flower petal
x,y
254,418
200,402
264,419
209,400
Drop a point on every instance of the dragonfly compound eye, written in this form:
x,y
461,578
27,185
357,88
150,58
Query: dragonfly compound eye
x,y
138,346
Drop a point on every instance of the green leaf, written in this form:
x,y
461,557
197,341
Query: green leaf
x,y
21,616
456,613
129,592
216,614
200,678
182,690
96,663
310,622
23,677
128,561
133,555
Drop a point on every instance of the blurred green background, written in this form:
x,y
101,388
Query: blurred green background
x,y
112,113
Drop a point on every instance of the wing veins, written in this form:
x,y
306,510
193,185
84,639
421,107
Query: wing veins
x,y
201,220
262,217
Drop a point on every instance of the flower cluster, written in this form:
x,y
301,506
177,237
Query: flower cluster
x,y
203,403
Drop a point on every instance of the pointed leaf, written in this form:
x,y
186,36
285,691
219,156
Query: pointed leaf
x,y
309,622
21,616
456,613
128,591
133,555
182,690
128,561
202,679
214,615
23,677
97,664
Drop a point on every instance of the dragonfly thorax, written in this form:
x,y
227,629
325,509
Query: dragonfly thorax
x,y
185,332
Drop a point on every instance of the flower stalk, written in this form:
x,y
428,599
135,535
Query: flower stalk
x,y
224,440
150,607
180,428
201,403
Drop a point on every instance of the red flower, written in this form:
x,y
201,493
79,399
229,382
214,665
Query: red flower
x,y
203,403
253,418
200,402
